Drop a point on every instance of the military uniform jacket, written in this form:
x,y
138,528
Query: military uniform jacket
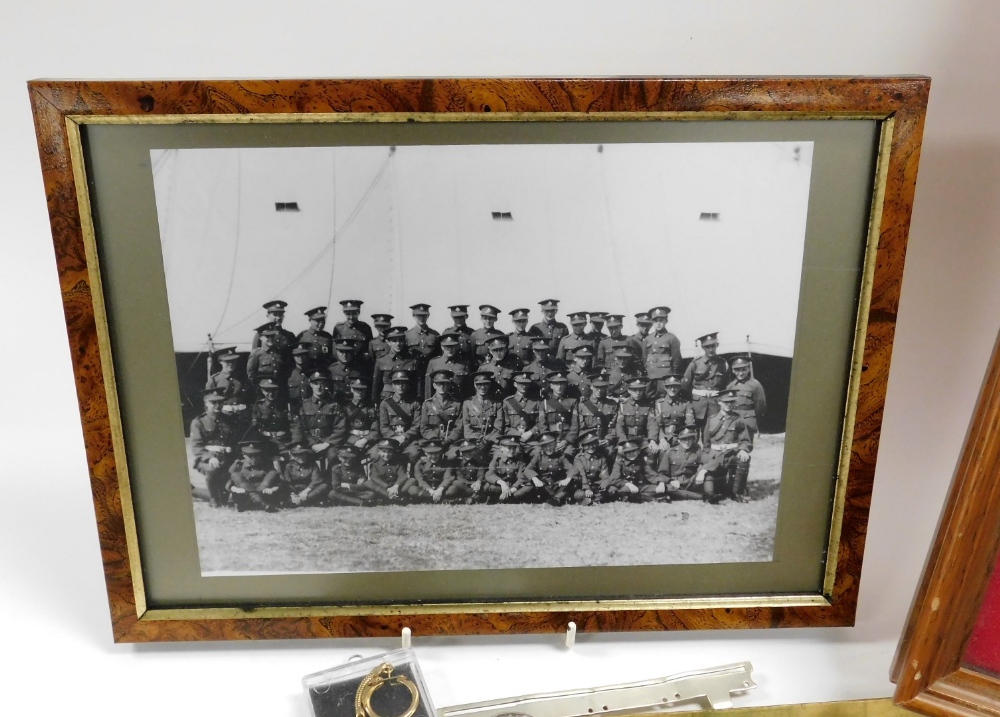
x,y
230,386
467,472
267,364
320,345
271,419
460,365
587,468
343,373
300,476
431,476
636,472
360,421
441,418
381,376
283,343
750,400
569,344
606,350
680,464
706,376
671,417
638,339
540,370
464,336
508,470
663,354
547,468
298,390
503,372
479,338
208,433
594,414
726,433
553,332
252,479
422,342
360,332
559,415
636,419
479,418
519,343
319,421
386,473
517,416
618,377
377,348
579,384
351,472
399,418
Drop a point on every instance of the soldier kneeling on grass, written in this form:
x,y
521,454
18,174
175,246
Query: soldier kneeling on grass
x,y
548,471
506,472
256,485
464,477
307,484
677,473
631,473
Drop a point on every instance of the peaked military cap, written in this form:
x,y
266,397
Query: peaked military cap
x,y
548,438
623,351
556,377
615,319
345,344
442,376
711,339
483,377
270,333
509,442
400,376
318,313
489,310
520,314
642,318
498,342
638,382
588,438
267,383
300,350
741,362
547,304
599,316
599,379
213,394
632,444
659,312
449,340
229,357
387,444
432,445
382,319
540,344
466,445
347,452
220,353
358,383
727,396
687,432
523,377
421,309
276,307
671,380
251,446
396,332
459,310
319,376
351,304
578,317
583,352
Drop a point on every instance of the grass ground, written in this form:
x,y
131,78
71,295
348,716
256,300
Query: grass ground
x,y
453,537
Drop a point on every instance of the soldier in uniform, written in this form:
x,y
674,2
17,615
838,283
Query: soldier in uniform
x,y
422,340
635,416
505,479
662,349
360,416
479,413
441,414
255,484
548,471
284,340
521,338
629,475
388,467
705,376
672,414
577,339
399,358
462,332
751,404
451,359
320,422
638,340
542,365
678,469
727,447
318,341
606,348
596,333
349,479
307,484
518,414
480,337
557,413
467,474
378,346
267,362
270,416
597,413
579,375
624,369
399,416
351,327
298,380
226,381
589,465
502,365
427,482
548,328
213,438
349,366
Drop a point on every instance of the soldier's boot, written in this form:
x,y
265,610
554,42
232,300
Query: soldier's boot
x,y
216,484
710,495
739,485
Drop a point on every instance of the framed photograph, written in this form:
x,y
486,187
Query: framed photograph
x,y
480,356
948,660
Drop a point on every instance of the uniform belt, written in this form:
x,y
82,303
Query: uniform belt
x,y
725,446
359,432
218,449
706,392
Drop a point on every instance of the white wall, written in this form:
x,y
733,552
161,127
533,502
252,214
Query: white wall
x,y
53,595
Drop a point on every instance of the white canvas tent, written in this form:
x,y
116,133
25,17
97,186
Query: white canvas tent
x,y
714,231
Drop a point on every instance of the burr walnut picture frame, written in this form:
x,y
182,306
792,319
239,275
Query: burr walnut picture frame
x,y
948,659
857,141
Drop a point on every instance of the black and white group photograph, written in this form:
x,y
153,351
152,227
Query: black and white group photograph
x,y
458,357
